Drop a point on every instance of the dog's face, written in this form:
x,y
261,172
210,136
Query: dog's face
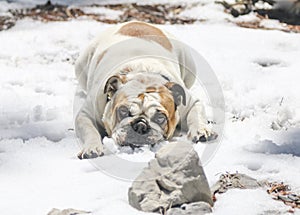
x,y
139,112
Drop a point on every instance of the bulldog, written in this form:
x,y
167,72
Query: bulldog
x,y
136,80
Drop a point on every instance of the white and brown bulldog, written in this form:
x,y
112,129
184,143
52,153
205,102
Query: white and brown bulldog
x,y
136,79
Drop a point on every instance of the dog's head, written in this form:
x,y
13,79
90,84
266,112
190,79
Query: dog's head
x,y
141,110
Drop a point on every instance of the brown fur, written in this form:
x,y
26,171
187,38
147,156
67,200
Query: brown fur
x,y
146,31
141,96
151,89
123,78
109,125
126,70
168,103
121,99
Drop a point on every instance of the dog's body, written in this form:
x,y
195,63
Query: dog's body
x,y
136,79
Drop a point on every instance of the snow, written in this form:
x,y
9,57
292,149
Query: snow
x,y
257,69
283,142
269,23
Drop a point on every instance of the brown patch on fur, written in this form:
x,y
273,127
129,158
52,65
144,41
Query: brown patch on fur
x,y
151,90
108,129
169,84
146,31
100,57
167,102
121,99
141,96
126,70
123,78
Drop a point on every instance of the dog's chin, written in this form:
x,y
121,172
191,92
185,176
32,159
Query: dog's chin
x,y
128,137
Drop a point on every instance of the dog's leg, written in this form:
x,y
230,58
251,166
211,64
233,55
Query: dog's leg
x,y
198,130
89,136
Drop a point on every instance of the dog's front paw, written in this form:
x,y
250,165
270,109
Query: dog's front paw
x,y
201,135
91,151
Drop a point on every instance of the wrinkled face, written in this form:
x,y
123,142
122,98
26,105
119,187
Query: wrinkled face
x,y
138,114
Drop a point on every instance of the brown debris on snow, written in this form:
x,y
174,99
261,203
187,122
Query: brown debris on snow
x,y
55,12
6,22
282,192
289,18
155,13
257,25
151,13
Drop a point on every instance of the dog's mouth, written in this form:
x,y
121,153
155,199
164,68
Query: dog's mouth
x,y
136,140
128,137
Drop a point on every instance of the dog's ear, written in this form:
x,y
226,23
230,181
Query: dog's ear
x,y
113,84
177,92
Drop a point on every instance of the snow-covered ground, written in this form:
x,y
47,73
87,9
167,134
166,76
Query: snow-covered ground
x,y
259,74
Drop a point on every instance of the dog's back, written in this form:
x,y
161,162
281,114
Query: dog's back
x,y
142,39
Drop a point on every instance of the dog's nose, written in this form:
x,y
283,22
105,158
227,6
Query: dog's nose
x,y
140,126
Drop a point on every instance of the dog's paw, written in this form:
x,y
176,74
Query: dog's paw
x,y
91,151
201,135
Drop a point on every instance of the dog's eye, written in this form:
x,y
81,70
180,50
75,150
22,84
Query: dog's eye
x,y
159,118
123,112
